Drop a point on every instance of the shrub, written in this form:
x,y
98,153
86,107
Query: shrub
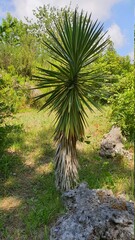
x,y
123,104
13,93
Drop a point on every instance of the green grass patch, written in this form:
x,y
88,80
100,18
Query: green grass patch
x,y
29,201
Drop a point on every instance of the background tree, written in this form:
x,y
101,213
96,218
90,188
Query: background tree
x,y
18,47
114,67
74,44
45,17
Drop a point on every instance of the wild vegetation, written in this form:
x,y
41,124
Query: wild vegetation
x,y
29,201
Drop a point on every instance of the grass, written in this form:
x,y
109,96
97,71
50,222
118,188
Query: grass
x,y
29,202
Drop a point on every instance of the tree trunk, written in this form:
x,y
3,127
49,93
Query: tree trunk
x,y
66,165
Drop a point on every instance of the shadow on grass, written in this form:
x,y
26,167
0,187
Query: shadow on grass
x,y
29,200
9,159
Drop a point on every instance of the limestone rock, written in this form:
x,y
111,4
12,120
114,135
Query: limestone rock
x,y
112,144
94,215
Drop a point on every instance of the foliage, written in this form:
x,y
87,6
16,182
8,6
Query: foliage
x,y
123,104
18,47
114,67
45,17
13,93
11,30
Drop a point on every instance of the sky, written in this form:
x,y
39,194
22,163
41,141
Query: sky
x,y
117,16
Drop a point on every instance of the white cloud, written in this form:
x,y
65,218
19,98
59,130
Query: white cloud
x,y
100,9
117,36
25,7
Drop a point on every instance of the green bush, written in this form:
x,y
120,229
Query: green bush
x,y
114,67
18,47
123,104
13,93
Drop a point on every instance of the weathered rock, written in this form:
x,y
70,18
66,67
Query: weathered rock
x,y
112,145
94,215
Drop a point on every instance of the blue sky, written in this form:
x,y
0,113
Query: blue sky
x,y
117,16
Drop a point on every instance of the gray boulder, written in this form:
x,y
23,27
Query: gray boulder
x,y
112,145
94,215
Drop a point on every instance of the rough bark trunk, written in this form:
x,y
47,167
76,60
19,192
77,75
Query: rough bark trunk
x,y
66,165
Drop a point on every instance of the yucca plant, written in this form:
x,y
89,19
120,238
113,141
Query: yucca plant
x,y
74,44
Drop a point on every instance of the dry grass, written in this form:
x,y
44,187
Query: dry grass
x,y
8,203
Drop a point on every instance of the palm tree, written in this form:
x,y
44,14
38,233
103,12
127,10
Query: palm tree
x,y
74,44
